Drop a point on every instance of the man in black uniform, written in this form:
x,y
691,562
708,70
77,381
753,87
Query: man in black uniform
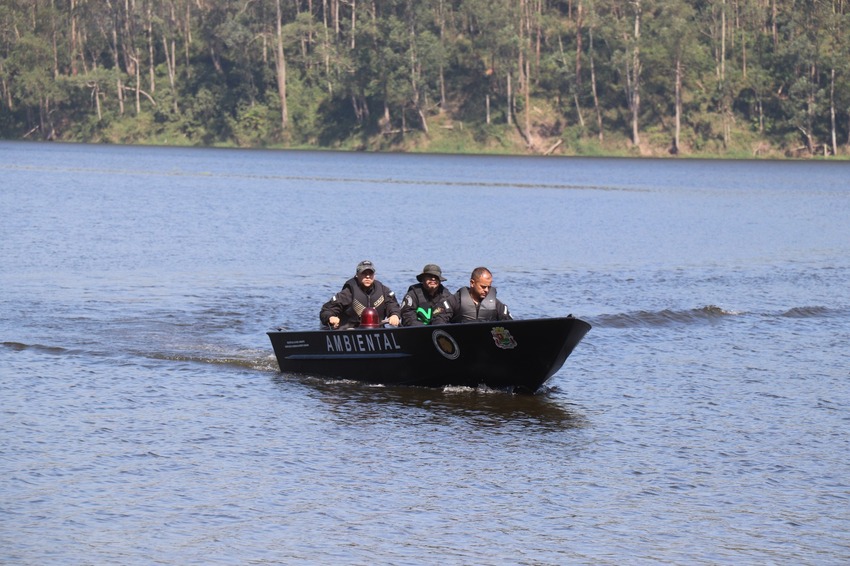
x,y
476,302
358,293
423,302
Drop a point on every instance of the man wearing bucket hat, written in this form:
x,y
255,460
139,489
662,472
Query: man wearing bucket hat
x,y
423,302
357,294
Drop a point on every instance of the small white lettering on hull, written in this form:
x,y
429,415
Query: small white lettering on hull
x,y
372,342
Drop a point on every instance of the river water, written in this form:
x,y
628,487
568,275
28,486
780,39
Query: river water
x,y
703,420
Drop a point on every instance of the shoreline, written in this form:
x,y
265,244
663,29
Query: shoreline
x,y
644,152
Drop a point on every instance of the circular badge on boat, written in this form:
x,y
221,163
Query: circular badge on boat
x,y
445,344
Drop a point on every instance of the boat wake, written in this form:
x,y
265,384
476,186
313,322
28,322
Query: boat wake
x,y
253,359
259,362
324,180
18,346
702,315
664,317
813,312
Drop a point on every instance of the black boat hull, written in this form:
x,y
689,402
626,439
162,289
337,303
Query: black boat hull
x,y
517,355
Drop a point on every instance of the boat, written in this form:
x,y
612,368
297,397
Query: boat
x,y
512,355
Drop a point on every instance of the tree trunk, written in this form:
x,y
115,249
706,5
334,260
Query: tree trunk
x,y
442,78
151,60
510,109
678,126
385,123
187,42
810,107
128,36
634,80
117,62
327,47
743,53
353,23
524,66
848,127
170,64
528,104
774,26
415,71
722,54
335,12
593,85
832,129
73,10
4,88
578,110
280,65
725,109
538,37
579,22
358,113
138,88
53,34
96,94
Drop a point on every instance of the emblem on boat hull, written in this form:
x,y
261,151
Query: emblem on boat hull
x,y
445,344
502,337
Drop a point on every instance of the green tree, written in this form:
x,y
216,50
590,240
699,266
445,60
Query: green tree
x,y
676,60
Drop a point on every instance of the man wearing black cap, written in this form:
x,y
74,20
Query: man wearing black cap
x,y
423,302
358,293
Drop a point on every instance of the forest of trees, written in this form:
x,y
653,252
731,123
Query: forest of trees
x,y
687,75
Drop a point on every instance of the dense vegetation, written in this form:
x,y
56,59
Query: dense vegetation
x,y
569,76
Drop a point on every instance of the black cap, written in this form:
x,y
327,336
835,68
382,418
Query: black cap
x,y
365,265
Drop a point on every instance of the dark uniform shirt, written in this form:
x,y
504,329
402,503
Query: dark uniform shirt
x,y
418,309
461,308
352,299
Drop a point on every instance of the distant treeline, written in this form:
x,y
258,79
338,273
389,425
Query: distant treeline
x,y
695,74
